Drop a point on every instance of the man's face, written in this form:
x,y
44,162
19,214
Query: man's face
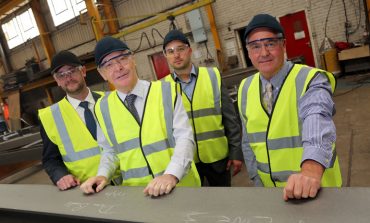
x,y
71,79
178,55
119,69
266,51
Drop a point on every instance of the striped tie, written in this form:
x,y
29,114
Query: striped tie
x,y
267,97
130,102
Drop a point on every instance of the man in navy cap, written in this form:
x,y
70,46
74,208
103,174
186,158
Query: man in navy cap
x,y
210,110
146,126
68,129
286,111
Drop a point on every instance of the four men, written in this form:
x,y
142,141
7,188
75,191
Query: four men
x,y
145,128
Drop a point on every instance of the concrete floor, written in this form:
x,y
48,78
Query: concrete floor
x,y
352,120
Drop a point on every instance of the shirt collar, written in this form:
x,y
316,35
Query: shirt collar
x,y
75,102
192,73
139,90
277,80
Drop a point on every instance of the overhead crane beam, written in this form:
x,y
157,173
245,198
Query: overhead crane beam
x,y
7,6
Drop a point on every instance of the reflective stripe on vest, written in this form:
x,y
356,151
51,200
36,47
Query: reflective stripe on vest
x,y
64,127
204,112
133,143
71,155
282,152
140,160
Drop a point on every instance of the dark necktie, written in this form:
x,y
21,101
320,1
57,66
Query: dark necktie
x,y
89,119
130,102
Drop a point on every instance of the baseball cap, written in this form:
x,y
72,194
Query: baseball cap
x,y
64,58
106,46
263,20
175,35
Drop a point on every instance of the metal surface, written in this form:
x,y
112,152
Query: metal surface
x,y
23,145
238,205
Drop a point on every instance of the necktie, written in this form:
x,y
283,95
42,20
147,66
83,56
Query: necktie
x,y
130,100
89,118
267,97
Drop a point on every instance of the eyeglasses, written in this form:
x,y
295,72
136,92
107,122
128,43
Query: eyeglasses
x,y
173,50
67,74
121,59
269,43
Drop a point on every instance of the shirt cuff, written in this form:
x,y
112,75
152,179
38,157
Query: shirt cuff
x,y
176,170
105,173
319,155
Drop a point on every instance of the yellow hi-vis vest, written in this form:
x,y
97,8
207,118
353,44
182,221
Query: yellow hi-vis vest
x,y
204,112
79,150
145,149
282,154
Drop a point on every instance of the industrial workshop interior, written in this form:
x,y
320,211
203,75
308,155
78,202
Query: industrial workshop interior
x,y
330,37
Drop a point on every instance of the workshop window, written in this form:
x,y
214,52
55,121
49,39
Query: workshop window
x,y
65,10
20,29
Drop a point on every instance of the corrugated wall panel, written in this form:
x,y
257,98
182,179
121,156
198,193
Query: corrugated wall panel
x,y
75,35
130,10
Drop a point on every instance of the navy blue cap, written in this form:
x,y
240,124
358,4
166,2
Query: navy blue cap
x,y
64,58
106,46
263,20
175,35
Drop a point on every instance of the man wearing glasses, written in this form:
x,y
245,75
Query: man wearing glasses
x,y
210,110
68,129
146,125
286,111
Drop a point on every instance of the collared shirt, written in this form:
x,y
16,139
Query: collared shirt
x,y
182,132
188,87
315,110
81,112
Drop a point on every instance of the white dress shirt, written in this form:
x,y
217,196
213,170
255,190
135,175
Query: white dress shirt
x,y
182,132
81,112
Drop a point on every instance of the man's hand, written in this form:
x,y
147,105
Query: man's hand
x,y
161,185
237,164
306,183
94,184
67,182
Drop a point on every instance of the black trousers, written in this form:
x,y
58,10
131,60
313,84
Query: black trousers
x,y
215,173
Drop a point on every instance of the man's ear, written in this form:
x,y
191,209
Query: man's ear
x,y
83,70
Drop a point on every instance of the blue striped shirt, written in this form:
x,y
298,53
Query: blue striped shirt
x,y
315,110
